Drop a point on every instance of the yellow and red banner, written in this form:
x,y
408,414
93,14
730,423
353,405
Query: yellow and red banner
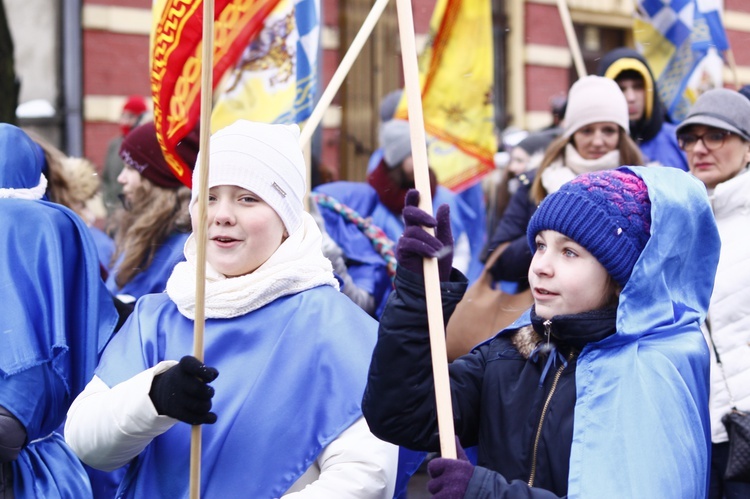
x,y
456,76
176,46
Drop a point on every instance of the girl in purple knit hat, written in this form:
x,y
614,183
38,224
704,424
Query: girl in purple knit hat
x,y
601,388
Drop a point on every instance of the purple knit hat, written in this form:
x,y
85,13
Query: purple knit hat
x,y
606,212
140,149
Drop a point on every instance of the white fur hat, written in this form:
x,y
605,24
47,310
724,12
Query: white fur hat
x,y
263,158
595,99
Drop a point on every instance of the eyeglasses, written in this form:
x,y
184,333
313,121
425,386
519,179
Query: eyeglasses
x,y
711,140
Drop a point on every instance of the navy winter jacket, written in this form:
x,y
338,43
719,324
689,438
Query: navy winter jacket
x,y
508,397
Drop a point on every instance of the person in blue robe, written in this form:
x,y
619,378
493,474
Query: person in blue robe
x,y
57,317
286,353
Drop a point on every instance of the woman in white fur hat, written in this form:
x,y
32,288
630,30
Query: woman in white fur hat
x,y
292,351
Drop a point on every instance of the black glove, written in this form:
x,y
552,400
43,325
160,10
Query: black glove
x,y
182,392
415,243
12,436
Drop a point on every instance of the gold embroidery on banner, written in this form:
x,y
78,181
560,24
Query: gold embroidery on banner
x,y
228,26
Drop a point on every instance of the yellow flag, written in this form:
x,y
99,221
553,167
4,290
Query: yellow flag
x,y
456,77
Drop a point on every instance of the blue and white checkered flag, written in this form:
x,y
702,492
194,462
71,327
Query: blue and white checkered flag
x,y
675,36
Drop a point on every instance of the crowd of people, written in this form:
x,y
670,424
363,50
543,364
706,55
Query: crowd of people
x,y
316,381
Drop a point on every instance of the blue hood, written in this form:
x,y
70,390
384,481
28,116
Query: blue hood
x,y
641,424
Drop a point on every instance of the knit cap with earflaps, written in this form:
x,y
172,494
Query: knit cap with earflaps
x,y
595,99
266,159
607,212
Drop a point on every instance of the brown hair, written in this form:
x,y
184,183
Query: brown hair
x,y
145,225
630,154
72,182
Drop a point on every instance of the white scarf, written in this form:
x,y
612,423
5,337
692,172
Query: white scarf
x,y
298,264
557,173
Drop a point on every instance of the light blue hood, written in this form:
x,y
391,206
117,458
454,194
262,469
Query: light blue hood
x,y
641,424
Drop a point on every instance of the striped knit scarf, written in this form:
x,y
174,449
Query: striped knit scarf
x,y
379,240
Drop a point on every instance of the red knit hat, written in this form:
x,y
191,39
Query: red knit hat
x,y
140,150
135,104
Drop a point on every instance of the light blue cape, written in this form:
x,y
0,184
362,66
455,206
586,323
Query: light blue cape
x,y
291,379
641,426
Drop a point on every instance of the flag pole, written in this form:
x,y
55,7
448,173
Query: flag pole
x,y
431,277
201,229
570,34
733,67
346,64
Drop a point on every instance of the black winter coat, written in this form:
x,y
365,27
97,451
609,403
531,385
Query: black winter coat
x,y
513,264
521,417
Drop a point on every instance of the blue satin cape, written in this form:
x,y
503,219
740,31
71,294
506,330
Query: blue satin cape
x,y
291,379
154,278
641,426
57,317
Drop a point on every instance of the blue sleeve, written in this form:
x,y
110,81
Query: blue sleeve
x,y
665,149
37,397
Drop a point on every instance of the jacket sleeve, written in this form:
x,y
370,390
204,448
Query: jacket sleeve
x,y
399,400
107,427
513,264
487,484
356,464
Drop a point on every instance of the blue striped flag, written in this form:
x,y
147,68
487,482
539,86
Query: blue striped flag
x,y
276,78
675,36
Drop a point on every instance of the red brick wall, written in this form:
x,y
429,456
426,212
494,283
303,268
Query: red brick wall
x,y
542,83
113,64
543,26
738,39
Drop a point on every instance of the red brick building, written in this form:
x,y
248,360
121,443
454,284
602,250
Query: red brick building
x,y
533,64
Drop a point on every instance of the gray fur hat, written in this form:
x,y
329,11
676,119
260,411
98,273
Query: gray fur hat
x,y
395,141
720,108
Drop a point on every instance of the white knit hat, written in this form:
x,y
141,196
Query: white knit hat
x,y
595,99
262,158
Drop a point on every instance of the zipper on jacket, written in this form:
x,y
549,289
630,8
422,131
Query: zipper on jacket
x,y
558,373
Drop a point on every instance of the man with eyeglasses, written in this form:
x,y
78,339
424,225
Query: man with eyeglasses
x,y
716,137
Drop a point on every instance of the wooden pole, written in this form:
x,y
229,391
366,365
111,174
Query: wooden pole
x,y
733,66
431,276
201,229
346,64
570,34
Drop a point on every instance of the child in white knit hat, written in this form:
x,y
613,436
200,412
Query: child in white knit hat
x,y
284,417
